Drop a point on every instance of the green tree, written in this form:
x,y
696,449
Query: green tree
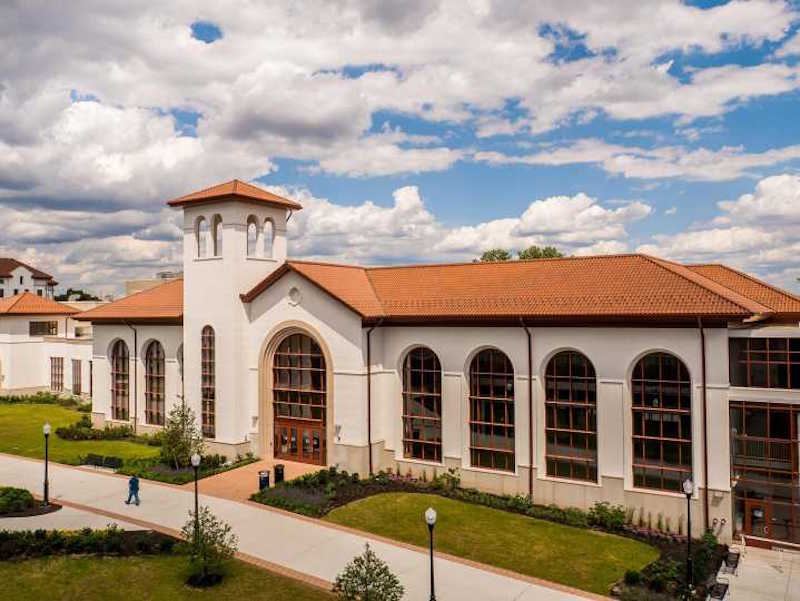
x,y
211,544
367,578
496,254
181,438
535,252
81,295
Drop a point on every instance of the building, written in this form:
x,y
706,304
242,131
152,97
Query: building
x,y
575,380
42,347
16,277
134,286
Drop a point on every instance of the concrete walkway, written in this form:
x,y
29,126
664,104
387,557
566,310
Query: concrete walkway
x,y
766,575
297,546
66,518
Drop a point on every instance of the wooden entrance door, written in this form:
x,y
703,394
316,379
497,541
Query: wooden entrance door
x,y
757,519
298,440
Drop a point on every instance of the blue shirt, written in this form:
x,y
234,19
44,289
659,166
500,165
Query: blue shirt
x,y
133,484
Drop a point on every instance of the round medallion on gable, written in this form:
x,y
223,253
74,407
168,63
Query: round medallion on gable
x,y
294,296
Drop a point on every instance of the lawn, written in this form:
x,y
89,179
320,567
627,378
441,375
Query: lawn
x,y
155,578
581,558
21,434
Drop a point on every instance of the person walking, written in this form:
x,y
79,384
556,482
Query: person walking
x,y
133,490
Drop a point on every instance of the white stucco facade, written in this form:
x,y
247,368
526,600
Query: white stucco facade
x,y
247,333
21,279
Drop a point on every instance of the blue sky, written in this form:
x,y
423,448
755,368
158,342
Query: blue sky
x,y
418,131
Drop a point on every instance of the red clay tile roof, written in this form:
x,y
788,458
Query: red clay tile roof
x,y
160,304
776,299
7,265
235,189
28,303
589,288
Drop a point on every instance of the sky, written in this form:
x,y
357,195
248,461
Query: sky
x,y
411,131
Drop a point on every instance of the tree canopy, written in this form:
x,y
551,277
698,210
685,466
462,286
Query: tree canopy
x,y
532,252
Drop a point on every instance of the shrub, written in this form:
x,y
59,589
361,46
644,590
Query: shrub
x,y
702,554
110,541
44,398
181,437
82,430
367,578
211,545
108,461
14,500
607,516
633,577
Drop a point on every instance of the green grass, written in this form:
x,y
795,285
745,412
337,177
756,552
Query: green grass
x,y
581,558
152,578
21,434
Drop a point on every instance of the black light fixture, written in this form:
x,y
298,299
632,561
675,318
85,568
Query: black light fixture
x,y
46,432
688,490
195,459
430,519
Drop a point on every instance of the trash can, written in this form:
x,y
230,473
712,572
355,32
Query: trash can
x,y
278,473
263,479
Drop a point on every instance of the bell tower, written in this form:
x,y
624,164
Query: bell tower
x,y
234,235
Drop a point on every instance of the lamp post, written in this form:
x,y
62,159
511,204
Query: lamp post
x,y
430,519
46,432
196,465
688,490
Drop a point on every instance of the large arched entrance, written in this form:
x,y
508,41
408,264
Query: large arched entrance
x,y
298,393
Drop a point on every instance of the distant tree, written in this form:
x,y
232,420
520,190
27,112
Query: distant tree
x,y
367,578
535,252
80,295
496,254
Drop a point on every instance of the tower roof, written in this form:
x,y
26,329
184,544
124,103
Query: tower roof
x,y
235,190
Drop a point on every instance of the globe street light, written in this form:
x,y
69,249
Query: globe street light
x,y
195,459
430,519
46,432
688,490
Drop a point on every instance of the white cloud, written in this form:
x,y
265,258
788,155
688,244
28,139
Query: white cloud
x,y
699,164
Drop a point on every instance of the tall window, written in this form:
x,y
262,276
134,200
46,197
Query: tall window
x,y
120,389
765,362
299,399
57,374
662,422
208,385
422,405
179,356
269,236
154,384
252,237
216,229
76,377
491,411
571,410
202,237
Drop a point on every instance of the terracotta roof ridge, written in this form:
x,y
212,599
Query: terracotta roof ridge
x,y
129,296
749,277
375,292
509,262
324,264
710,285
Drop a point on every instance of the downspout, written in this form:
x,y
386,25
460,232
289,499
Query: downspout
x,y
369,394
135,375
530,408
705,421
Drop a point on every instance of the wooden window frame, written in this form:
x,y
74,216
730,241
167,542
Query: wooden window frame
x,y
291,397
208,382
581,461
642,467
747,358
57,374
155,384
43,328
120,381
501,458
752,470
417,425
76,377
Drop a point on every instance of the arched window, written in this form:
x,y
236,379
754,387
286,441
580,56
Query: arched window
x,y
269,237
491,411
208,382
120,389
202,237
299,399
662,422
422,405
216,229
252,237
571,423
154,384
179,356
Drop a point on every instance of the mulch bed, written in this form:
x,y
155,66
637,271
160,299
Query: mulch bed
x,y
32,511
